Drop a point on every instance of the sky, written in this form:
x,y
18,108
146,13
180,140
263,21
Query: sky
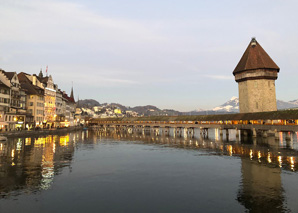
x,y
169,53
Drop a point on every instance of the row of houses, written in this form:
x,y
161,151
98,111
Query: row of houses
x,y
33,101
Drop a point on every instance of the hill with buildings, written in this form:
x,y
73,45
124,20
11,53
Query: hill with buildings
x,y
95,109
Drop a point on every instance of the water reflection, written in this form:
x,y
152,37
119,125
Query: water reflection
x,y
261,187
29,165
262,162
264,150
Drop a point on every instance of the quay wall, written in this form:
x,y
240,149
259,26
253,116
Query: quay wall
x,y
24,133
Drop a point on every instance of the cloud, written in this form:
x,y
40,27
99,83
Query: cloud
x,y
65,22
94,78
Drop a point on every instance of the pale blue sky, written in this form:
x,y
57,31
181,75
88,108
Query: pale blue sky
x,y
172,54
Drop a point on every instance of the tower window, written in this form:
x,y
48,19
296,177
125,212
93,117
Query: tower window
x,y
257,105
268,83
256,84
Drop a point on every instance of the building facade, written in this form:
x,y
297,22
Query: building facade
x,y
4,101
60,111
49,101
34,99
70,110
15,116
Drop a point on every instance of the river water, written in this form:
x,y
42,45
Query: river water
x,y
110,171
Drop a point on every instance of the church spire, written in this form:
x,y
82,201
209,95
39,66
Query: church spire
x,y
40,74
71,93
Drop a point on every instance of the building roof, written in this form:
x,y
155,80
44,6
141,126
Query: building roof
x,y
9,75
255,57
43,79
69,99
3,85
27,85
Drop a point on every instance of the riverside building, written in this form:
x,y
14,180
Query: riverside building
x,y
15,116
34,99
29,101
49,100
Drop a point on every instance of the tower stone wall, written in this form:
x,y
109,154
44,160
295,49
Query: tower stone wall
x,y
257,96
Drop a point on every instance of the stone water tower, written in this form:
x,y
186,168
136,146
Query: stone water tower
x,y
255,74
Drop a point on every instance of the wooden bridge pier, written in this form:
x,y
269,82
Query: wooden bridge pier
x,y
204,132
264,133
178,131
227,134
289,139
288,136
166,131
220,132
237,133
191,132
156,130
276,134
245,133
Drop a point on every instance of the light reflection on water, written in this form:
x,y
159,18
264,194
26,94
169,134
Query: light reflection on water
x,y
36,165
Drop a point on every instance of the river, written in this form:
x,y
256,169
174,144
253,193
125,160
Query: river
x,y
118,171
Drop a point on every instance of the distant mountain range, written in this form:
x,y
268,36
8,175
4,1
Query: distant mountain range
x,y
231,106
147,110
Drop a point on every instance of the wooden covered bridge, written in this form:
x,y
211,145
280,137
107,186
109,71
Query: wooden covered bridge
x,y
249,123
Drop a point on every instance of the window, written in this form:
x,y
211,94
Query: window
x,y
31,103
256,84
257,105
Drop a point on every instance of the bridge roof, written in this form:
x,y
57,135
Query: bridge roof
x,y
275,115
255,57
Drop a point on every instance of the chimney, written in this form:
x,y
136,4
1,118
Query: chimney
x,y
34,79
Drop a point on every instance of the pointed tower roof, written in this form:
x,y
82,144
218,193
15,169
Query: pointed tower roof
x,y
71,93
255,57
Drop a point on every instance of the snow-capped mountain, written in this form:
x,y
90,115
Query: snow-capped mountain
x,y
231,105
286,105
294,102
199,110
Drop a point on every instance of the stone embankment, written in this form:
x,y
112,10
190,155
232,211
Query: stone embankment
x,y
24,133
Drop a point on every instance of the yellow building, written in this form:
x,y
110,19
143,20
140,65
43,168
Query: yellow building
x,y
49,100
34,98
